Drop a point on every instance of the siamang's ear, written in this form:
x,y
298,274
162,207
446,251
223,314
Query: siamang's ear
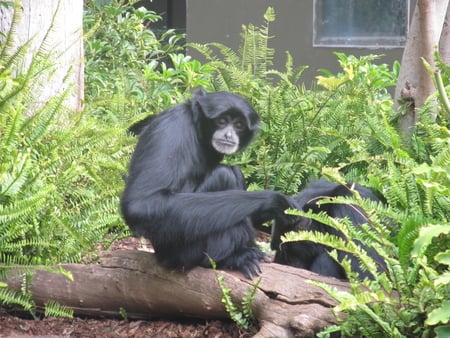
x,y
196,108
210,105
199,91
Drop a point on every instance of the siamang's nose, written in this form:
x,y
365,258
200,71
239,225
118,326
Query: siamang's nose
x,y
229,134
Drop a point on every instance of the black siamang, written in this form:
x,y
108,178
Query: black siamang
x,y
313,256
190,206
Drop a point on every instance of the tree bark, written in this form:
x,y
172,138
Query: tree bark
x,y
414,84
60,23
285,305
444,44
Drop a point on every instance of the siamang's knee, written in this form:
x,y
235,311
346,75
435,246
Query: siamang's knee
x,y
223,178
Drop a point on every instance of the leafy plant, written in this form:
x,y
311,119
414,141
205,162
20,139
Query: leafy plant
x,y
54,309
243,316
131,70
301,129
410,232
409,298
60,174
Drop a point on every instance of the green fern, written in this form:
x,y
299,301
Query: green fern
x,y
60,175
256,56
54,309
373,236
241,71
10,297
243,316
414,179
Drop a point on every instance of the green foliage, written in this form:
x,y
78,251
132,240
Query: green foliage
x,y
246,70
131,71
405,300
438,80
60,174
54,309
410,297
243,316
9,297
123,313
346,131
301,129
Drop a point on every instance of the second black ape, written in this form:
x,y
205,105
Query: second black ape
x,y
189,205
314,256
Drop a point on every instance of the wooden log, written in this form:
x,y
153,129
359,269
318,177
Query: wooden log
x,y
286,305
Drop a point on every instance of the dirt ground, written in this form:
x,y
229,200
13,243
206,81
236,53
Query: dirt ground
x,y
11,326
14,326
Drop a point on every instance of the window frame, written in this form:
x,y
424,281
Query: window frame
x,y
372,42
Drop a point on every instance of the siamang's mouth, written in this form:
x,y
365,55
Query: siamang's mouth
x,y
226,147
226,142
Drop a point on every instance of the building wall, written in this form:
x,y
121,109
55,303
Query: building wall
x,y
221,21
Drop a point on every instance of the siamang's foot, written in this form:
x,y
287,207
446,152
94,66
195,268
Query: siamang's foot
x,y
246,261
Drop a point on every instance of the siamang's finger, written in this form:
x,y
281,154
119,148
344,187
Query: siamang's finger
x,y
251,270
266,259
246,272
261,256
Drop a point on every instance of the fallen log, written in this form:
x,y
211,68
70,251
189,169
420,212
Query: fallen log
x,y
285,304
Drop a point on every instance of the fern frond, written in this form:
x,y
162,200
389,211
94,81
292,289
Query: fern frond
x,y
204,49
55,309
36,125
15,211
8,296
9,43
228,55
442,159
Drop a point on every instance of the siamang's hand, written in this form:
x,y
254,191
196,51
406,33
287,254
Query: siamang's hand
x,y
274,208
250,267
292,222
247,262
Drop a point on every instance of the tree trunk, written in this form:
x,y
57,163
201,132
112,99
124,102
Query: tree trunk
x,y
60,22
414,84
444,44
285,305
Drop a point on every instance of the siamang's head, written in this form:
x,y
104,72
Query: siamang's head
x,y
230,121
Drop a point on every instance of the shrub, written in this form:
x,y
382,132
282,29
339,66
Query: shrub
x,y
132,72
60,173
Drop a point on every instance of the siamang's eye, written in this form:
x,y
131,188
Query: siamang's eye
x,y
239,125
221,121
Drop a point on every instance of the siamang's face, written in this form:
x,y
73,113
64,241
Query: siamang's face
x,y
229,129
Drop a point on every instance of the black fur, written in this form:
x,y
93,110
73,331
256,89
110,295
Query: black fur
x,y
313,256
189,205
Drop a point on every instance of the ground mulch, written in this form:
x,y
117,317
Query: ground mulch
x,y
12,326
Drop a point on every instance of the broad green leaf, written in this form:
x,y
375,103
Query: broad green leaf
x,y
442,331
443,257
439,315
426,236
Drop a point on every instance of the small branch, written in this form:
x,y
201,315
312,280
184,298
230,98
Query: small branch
x,y
442,92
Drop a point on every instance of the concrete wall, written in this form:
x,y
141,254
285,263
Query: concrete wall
x,y
221,21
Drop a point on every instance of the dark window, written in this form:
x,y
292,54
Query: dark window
x,y
364,23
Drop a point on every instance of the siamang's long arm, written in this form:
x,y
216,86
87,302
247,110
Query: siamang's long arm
x,y
194,215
